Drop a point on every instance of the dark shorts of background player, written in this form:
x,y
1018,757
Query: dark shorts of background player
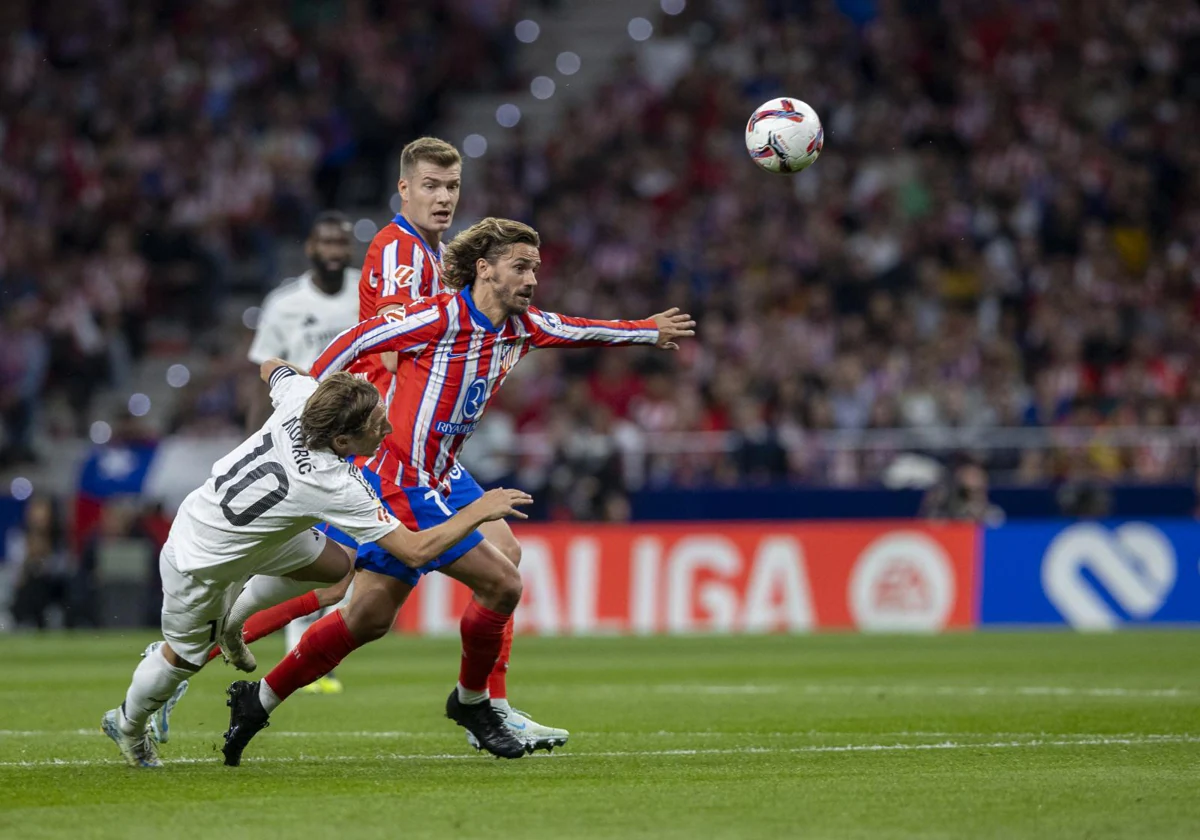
x,y
418,508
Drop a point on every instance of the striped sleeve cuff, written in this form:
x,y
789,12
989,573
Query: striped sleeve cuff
x,y
281,373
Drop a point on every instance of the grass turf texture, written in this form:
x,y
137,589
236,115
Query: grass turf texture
x,y
980,736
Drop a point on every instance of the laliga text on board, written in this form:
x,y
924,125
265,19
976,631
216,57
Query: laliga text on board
x,y
729,578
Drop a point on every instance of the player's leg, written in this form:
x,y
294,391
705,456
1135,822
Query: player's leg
x,y
464,490
266,622
499,534
191,617
160,721
297,567
496,585
330,600
380,588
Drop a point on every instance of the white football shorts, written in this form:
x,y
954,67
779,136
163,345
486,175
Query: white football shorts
x,y
194,609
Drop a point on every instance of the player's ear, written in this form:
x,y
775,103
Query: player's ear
x,y
402,188
483,269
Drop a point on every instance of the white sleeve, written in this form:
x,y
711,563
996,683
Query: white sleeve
x,y
270,341
288,386
356,509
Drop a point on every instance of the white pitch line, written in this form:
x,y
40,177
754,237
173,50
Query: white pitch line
x,y
951,690
846,748
661,733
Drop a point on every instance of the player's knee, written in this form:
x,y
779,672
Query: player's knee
x,y
367,625
505,593
368,628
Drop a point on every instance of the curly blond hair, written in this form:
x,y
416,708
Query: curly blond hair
x,y
489,240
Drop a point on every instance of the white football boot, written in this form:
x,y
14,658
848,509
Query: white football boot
x,y
137,750
160,721
235,651
528,731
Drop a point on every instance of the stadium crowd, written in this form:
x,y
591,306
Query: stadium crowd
x,y
1003,231
153,155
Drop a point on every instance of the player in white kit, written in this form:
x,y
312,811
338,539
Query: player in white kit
x,y
297,322
244,540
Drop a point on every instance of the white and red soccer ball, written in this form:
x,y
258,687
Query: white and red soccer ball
x,y
784,135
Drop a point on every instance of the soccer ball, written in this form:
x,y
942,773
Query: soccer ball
x,y
784,135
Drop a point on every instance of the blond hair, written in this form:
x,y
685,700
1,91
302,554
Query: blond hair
x,y
430,150
341,405
489,240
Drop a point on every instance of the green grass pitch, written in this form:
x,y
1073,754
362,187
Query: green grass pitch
x,y
976,736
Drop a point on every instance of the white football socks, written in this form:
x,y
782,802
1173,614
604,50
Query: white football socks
x,y
469,697
269,699
501,703
154,681
262,592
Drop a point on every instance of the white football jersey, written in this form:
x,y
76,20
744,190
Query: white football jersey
x,y
298,320
268,490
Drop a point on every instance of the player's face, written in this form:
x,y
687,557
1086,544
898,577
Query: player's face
x,y
514,277
373,433
430,195
329,248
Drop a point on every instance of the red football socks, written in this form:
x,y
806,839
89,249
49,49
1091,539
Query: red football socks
x,y
498,679
325,644
482,639
267,621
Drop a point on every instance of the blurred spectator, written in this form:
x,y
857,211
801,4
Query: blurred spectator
x,y
24,358
45,569
962,495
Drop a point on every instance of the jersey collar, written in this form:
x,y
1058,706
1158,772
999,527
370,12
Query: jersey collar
x,y
405,224
477,316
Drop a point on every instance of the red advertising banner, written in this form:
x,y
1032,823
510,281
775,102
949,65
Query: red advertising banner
x,y
729,578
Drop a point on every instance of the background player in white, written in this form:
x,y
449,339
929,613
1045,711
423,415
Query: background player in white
x,y
244,541
298,321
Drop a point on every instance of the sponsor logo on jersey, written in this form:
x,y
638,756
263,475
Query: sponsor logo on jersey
x,y
447,428
476,399
403,274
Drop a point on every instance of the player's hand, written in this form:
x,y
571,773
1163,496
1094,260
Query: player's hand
x,y
499,503
672,324
390,360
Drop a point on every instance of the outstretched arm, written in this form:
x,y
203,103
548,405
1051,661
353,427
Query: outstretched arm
x,y
404,330
416,548
553,330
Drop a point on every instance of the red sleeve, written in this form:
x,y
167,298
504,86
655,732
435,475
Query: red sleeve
x,y
404,331
552,330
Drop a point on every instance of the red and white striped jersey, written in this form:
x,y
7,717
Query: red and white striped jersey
x,y
400,268
453,360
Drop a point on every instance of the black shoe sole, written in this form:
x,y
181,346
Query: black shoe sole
x,y
233,752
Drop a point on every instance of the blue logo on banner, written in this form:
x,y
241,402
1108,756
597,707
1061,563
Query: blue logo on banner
x,y
1091,576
